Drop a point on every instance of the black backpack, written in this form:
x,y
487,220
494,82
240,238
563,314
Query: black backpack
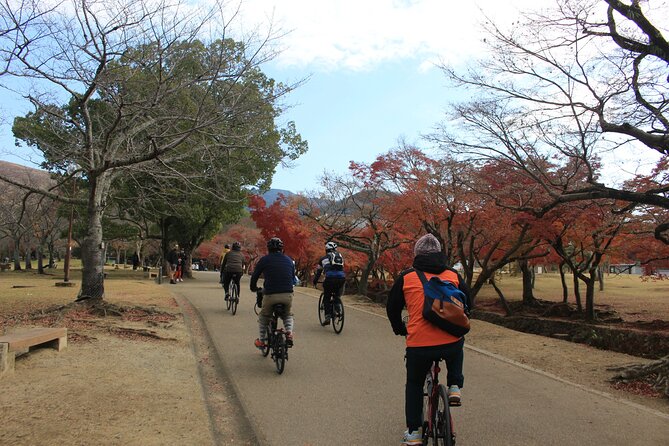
x,y
336,261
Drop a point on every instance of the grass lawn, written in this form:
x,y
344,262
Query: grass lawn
x,y
635,298
27,291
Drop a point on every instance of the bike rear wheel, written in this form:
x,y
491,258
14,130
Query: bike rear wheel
x,y
443,427
280,351
338,316
321,309
234,297
270,338
428,414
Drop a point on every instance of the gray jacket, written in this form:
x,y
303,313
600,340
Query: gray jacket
x,y
233,262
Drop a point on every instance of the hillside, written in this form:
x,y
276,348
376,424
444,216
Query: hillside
x,y
24,174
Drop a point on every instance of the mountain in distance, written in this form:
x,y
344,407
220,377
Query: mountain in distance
x,y
273,194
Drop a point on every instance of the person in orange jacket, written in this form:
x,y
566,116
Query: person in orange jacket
x,y
425,342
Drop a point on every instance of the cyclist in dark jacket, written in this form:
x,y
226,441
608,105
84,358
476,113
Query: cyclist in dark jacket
x,y
278,271
232,267
332,264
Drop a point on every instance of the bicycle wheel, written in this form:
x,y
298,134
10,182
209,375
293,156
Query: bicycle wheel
x,y
270,338
280,351
443,428
234,298
228,303
338,316
428,414
321,309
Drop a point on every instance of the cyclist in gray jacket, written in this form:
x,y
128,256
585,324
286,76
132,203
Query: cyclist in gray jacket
x,y
232,267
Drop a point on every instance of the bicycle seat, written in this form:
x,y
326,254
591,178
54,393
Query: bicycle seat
x,y
279,308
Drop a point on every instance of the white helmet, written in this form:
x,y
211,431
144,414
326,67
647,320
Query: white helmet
x,y
330,246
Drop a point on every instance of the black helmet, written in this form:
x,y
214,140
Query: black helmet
x,y
236,246
274,244
227,246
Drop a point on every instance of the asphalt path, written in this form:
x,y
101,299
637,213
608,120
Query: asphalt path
x,y
349,388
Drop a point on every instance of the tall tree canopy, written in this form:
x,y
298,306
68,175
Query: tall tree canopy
x,y
566,88
149,100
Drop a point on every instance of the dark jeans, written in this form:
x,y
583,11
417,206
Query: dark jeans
x,y
418,362
332,287
227,277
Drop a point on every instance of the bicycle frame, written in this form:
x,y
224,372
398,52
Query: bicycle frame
x,y
276,341
437,425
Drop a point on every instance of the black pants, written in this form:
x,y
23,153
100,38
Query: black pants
x,y
418,362
227,277
332,287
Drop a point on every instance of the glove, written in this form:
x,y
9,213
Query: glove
x,y
402,331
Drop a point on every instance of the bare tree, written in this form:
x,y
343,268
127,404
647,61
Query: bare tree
x,y
562,90
354,213
149,89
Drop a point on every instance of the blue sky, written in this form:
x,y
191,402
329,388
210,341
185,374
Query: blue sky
x,y
353,115
372,72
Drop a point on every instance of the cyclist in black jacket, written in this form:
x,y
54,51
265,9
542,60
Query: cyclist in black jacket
x,y
332,264
278,271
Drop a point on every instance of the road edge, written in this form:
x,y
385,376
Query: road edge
x,y
214,372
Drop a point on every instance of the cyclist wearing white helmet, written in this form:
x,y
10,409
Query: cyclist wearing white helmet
x,y
332,264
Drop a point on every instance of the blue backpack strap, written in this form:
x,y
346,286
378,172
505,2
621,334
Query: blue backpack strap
x,y
421,276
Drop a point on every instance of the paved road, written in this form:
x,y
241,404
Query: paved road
x,y
348,388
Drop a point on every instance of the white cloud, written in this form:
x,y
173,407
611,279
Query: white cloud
x,y
358,34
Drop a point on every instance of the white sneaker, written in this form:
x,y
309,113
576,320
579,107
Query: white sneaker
x,y
412,438
454,396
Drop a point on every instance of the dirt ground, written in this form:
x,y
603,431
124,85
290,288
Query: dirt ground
x,y
150,378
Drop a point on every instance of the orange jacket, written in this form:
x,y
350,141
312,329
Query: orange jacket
x,y
422,333
407,291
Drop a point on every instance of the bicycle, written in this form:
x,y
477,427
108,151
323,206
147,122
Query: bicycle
x,y
276,340
437,418
337,311
233,300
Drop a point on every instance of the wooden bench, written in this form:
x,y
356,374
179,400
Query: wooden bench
x,y
20,342
4,266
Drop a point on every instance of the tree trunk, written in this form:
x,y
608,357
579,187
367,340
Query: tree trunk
x,y
600,277
187,265
577,293
502,299
28,259
563,280
364,276
92,273
528,295
17,256
40,262
590,296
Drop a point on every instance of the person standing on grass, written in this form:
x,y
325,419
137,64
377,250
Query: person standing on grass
x,y
173,260
425,341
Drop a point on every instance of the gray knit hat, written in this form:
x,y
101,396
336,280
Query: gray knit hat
x,y
427,244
